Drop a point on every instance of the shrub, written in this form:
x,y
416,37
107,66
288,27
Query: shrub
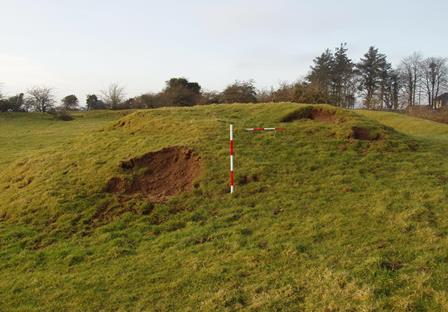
x,y
61,114
240,92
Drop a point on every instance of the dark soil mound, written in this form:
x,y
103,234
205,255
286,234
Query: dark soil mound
x,y
318,114
158,175
361,133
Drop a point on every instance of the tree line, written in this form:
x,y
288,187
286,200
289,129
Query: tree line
x,y
334,78
178,92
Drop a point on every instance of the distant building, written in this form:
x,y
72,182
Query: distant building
x,y
441,101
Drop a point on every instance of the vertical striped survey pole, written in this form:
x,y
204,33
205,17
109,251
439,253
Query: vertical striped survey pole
x,y
232,174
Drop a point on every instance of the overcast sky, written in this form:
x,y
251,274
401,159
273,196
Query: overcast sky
x,y
81,46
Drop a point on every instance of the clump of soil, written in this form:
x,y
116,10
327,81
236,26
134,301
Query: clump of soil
x,y
312,113
365,134
158,175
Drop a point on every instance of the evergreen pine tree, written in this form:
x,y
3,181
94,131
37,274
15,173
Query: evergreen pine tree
x,y
370,69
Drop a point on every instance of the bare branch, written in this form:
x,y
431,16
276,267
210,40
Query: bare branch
x,y
114,95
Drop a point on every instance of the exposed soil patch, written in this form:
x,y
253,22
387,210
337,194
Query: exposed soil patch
x,y
323,115
246,179
318,114
158,175
361,133
115,185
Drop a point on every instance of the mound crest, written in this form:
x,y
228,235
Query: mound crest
x,y
158,175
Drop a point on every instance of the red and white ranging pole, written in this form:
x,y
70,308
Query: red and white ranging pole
x,y
232,174
264,129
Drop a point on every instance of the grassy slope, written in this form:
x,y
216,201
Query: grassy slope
x,y
331,223
22,134
410,125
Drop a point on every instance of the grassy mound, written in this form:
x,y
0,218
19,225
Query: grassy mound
x,y
342,211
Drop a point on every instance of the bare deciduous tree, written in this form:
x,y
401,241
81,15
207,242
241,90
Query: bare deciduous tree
x,y
434,77
40,99
410,74
114,95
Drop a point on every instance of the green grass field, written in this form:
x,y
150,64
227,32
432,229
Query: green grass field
x,y
321,220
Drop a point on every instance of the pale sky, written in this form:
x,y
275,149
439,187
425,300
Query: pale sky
x,y
81,46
